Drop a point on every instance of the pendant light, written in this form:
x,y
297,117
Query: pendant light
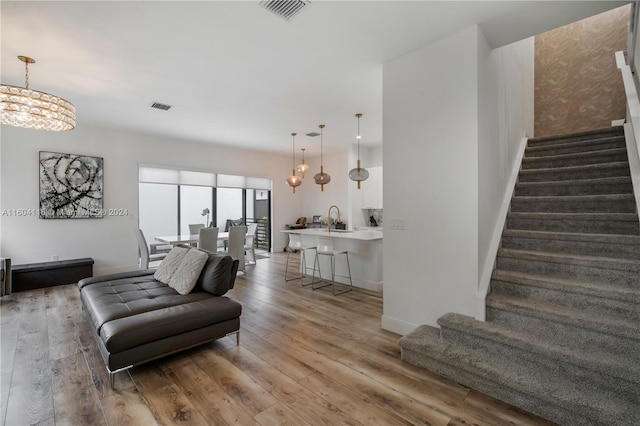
x,y
359,173
321,178
24,107
302,168
294,180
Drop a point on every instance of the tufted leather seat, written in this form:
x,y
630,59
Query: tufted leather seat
x,y
136,319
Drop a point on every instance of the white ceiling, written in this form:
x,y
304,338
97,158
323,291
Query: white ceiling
x,y
235,73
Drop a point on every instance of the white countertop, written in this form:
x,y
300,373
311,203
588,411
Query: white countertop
x,y
339,233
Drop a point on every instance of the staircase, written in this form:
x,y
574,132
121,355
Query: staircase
x,y
562,336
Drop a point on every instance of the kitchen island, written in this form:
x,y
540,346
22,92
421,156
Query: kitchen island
x,y
365,255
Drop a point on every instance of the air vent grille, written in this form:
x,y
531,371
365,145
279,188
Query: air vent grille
x,y
163,107
286,9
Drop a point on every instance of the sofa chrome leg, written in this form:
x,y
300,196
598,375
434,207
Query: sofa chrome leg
x,y
238,338
112,379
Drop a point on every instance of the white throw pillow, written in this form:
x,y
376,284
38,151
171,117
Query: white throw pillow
x,y
185,278
170,264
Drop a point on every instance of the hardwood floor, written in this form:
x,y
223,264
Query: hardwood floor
x,y
305,357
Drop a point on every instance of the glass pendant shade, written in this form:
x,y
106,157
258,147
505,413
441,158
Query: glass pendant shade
x,y
302,168
321,178
359,173
31,109
294,180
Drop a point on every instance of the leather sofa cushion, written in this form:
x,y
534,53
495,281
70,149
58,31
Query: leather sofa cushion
x,y
119,298
131,331
218,275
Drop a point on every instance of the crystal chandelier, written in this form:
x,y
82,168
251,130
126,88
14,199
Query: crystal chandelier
x,y
24,107
302,168
321,178
359,173
294,180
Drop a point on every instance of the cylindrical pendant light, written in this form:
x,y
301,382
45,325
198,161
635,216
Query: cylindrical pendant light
x,y
302,168
359,173
321,178
294,180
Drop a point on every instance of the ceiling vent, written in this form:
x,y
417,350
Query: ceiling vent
x,y
286,9
313,134
163,107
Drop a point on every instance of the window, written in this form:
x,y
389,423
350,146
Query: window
x,y
171,199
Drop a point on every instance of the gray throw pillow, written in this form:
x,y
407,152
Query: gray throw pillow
x,y
170,264
186,276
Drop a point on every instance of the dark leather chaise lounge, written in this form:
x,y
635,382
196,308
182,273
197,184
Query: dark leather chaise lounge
x,y
136,319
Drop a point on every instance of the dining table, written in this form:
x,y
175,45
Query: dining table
x,y
175,240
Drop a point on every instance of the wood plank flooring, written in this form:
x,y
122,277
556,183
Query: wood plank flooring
x,y
305,358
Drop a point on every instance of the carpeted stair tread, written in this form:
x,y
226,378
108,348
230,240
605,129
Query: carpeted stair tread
x,y
527,385
601,203
598,359
580,260
563,314
600,290
576,146
589,223
603,245
609,185
618,168
577,136
575,159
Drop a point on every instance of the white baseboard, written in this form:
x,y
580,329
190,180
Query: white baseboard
x,y
496,236
397,326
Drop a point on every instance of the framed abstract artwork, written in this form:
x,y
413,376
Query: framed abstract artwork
x,y
70,186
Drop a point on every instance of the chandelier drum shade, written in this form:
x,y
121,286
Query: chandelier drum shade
x,y
294,180
302,168
31,109
359,173
321,178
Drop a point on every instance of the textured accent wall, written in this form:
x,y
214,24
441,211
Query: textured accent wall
x,y
577,84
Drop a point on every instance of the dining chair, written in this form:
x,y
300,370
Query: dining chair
x,y
250,242
235,249
194,228
144,257
208,239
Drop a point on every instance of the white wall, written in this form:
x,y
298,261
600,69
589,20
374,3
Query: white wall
x,y
111,241
430,133
455,116
506,119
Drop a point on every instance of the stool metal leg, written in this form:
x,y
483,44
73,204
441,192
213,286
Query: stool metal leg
x,y
303,265
333,286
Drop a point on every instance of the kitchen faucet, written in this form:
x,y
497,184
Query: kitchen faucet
x,y
329,217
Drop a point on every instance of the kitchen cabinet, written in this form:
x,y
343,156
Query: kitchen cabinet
x,y
372,189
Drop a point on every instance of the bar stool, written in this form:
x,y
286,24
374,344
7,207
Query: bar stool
x,y
296,244
325,248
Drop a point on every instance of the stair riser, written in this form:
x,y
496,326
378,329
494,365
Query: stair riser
x,y
599,305
570,372
623,251
583,173
582,160
559,190
565,334
546,409
565,205
551,150
573,225
570,139
586,273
